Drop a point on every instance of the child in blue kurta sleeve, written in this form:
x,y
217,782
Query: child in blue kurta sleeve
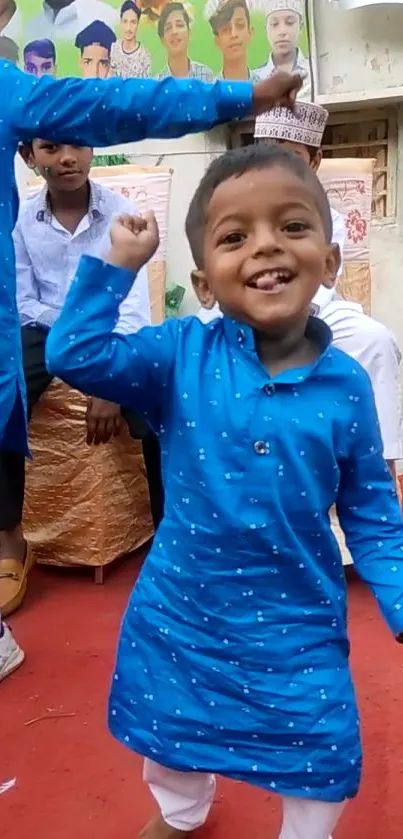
x,y
88,113
95,113
234,654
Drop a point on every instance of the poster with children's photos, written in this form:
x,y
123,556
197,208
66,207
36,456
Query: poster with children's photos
x,y
347,5
216,39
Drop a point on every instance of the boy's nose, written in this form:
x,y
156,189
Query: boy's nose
x,y
68,156
265,241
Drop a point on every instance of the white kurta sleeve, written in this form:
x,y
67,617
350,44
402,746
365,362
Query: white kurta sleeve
x,y
375,347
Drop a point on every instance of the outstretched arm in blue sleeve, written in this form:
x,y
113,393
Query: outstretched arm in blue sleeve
x,y
103,113
369,510
82,349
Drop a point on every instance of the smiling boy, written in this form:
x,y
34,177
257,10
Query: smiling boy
x,y
70,216
234,652
362,337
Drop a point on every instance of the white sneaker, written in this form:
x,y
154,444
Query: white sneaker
x,y
11,655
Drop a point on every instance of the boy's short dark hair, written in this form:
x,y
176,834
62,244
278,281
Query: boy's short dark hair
x,y
130,6
167,10
224,13
312,151
44,48
235,163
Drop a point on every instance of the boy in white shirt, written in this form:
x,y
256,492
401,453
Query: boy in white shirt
x,y
69,217
62,20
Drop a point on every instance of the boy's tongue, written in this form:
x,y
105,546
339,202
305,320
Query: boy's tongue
x,y
268,281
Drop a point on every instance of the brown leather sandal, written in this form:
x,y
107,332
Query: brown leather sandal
x,y
14,582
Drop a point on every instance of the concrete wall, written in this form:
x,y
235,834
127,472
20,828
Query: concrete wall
x,y
360,50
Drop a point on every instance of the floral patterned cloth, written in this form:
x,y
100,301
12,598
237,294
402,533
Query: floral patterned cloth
x,y
348,184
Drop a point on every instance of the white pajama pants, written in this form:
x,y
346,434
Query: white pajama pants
x,y
185,800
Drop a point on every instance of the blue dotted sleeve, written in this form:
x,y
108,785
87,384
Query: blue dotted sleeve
x,y
133,371
102,113
368,508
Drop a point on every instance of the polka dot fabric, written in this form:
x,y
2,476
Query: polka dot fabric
x,y
234,655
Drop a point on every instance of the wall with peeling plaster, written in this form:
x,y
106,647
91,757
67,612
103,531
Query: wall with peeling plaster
x,y
358,50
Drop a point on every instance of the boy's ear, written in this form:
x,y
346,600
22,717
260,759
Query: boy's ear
x,y
202,289
25,151
317,160
333,262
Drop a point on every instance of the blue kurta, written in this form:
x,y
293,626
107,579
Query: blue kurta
x,y
92,113
234,656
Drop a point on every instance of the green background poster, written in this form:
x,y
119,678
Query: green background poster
x,y
220,35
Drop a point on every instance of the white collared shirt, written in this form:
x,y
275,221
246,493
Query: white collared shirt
x,y
369,342
47,257
301,66
375,347
14,28
68,22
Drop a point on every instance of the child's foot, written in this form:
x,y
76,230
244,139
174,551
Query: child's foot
x,y
11,656
158,829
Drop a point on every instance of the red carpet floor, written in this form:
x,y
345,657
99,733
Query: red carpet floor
x,y
75,782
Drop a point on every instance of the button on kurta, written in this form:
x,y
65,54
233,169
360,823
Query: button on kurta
x,y
261,447
269,389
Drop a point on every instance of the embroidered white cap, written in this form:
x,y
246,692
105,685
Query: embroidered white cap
x,y
305,124
271,6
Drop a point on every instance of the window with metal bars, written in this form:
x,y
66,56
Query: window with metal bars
x,y
356,133
368,134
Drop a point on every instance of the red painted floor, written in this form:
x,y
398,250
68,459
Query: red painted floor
x,y
75,782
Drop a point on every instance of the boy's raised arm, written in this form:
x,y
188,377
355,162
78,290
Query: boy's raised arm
x,y
82,347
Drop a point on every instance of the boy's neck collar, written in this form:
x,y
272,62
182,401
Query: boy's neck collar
x,y
78,200
244,336
94,208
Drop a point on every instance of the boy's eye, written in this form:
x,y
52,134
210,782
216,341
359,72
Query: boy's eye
x,y
296,227
233,238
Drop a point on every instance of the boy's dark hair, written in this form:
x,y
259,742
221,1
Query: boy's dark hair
x,y
167,10
224,13
44,48
237,162
130,6
312,151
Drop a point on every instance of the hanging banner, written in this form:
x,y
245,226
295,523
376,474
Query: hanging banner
x,y
230,39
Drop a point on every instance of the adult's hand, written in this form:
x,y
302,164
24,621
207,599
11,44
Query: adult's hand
x,y
104,421
279,89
